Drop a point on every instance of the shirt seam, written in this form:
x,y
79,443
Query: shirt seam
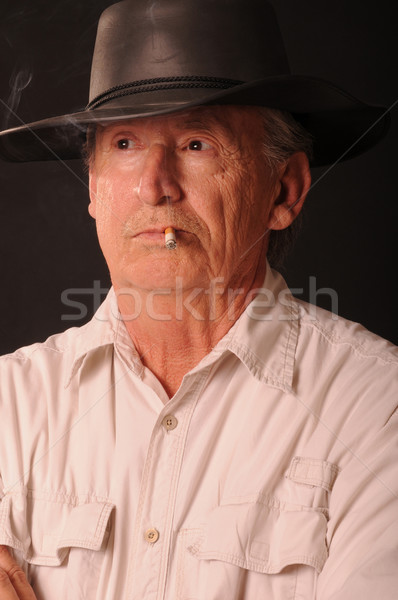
x,y
59,497
357,348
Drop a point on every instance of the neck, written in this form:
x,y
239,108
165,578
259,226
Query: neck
x,y
173,331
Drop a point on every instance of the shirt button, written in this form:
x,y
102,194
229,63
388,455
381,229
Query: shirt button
x,y
152,535
169,422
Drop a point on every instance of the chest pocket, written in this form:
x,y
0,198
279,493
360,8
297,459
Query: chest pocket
x,y
251,551
259,547
59,543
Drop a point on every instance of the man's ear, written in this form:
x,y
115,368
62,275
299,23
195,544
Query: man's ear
x,y
294,181
92,185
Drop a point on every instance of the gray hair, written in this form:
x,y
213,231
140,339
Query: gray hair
x,y
88,149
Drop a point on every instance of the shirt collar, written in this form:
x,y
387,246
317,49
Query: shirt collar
x,y
99,332
264,338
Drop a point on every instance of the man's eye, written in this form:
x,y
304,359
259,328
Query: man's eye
x,y
198,145
124,144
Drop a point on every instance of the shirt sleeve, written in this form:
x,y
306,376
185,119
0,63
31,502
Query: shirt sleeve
x,y
363,527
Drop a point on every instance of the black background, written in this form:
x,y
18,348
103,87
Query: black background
x,y
48,241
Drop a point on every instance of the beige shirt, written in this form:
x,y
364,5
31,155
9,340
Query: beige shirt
x,y
270,475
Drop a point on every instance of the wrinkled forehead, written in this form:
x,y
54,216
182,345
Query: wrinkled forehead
x,y
230,120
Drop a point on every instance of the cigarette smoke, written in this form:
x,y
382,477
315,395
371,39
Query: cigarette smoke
x,y
19,81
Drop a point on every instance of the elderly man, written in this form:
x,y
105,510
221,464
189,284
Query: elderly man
x,y
206,436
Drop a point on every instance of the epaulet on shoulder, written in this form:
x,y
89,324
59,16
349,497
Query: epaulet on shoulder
x,y
340,331
58,342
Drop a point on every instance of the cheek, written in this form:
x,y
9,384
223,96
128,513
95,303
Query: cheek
x,y
234,192
110,216
112,199
214,195
246,204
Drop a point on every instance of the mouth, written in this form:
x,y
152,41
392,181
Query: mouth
x,y
156,234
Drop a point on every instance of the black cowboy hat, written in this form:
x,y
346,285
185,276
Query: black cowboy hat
x,y
154,57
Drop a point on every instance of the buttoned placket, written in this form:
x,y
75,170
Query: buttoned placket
x,y
153,529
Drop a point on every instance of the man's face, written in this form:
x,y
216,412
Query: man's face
x,y
202,172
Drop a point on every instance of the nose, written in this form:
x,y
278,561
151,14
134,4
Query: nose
x,y
158,182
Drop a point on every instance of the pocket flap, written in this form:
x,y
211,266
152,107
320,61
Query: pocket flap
x,y
43,527
263,538
313,471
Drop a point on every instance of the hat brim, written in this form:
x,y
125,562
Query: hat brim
x,y
341,125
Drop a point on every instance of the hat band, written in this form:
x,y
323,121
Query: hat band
x,y
161,83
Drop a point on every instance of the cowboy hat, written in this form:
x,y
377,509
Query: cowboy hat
x,y
155,57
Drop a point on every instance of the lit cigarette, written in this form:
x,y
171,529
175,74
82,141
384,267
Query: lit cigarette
x,y
170,238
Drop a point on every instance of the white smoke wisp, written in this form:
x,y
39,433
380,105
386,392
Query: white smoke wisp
x,y
19,81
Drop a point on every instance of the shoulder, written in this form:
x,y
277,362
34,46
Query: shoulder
x,y
42,365
62,350
57,343
53,347
337,336
344,371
